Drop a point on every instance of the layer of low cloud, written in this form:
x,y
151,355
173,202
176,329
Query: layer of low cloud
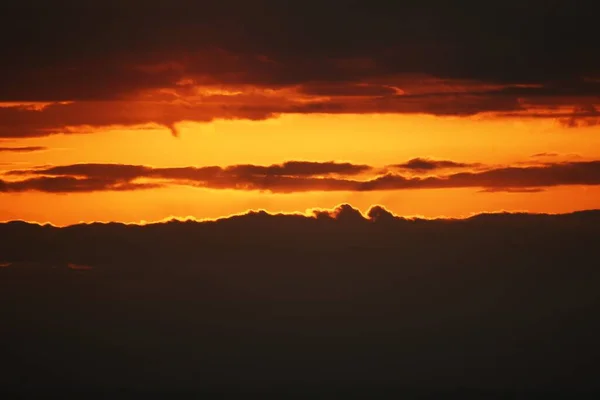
x,y
168,107
301,176
427,164
22,149
332,304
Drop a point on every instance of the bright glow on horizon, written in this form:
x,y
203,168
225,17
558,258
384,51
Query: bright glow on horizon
x,y
376,140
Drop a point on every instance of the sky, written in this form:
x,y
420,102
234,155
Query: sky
x,y
151,110
302,198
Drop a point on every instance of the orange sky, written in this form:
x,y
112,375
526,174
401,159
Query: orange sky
x,y
375,140
129,111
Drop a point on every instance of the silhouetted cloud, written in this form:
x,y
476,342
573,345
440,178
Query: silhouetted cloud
x,y
123,171
287,177
255,103
69,184
329,304
335,90
90,170
425,164
300,168
22,149
380,214
302,176
584,115
545,154
88,116
571,156
511,190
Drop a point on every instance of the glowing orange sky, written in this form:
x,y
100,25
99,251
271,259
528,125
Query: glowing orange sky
x,y
376,140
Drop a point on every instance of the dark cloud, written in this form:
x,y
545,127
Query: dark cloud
x,y
300,168
380,214
425,164
349,89
512,190
336,305
550,174
69,184
551,154
300,176
128,172
366,57
107,171
582,116
203,103
287,177
84,117
545,154
547,175
22,149
500,41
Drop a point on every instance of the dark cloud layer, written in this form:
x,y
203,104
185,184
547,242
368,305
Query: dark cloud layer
x,y
335,305
433,57
69,184
509,41
425,164
545,154
287,177
301,176
22,149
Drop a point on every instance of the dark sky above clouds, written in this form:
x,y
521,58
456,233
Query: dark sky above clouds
x,y
499,41
434,57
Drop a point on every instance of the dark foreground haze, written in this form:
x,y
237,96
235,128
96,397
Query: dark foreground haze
x,y
335,306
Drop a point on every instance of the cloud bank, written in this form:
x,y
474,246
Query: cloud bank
x,y
332,304
22,149
303,176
